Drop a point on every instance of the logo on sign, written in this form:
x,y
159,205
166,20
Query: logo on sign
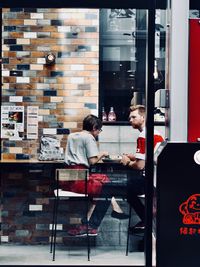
x,y
190,209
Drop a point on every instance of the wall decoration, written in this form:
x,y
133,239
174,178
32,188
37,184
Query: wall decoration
x,y
32,122
12,122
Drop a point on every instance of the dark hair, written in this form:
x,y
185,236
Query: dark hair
x,y
92,122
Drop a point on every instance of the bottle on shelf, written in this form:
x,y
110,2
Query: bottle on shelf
x,y
104,115
111,115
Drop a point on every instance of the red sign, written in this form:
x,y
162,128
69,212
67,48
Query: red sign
x,y
191,210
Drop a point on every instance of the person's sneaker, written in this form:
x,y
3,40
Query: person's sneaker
x,y
119,215
81,230
138,228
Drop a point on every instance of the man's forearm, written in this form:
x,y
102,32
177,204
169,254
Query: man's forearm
x,y
136,164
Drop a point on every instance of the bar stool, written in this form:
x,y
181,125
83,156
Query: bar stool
x,y
59,194
142,197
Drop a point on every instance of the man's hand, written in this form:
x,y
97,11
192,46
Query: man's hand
x,y
104,154
130,156
125,160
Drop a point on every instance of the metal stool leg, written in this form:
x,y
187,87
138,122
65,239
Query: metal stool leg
x,y
55,227
88,237
87,209
129,223
88,244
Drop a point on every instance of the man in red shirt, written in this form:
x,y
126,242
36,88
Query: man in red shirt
x,y
136,180
137,161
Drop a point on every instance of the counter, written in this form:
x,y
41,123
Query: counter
x,y
27,191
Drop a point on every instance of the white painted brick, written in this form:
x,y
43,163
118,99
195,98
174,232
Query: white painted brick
x,y
4,238
6,86
23,80
77,80
110,133
70,124
30,35
44,112
94,112
41,61
30,22
94,48
63,28
15,149
5,48
36,67
128,134
77,67
42,85
35,207
15,98
44,48
111,148
23,41
44,22
49,131
127,148
56,99
5,73
37,16
40,118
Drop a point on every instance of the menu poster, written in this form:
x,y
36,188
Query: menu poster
x,y
12,122
32,122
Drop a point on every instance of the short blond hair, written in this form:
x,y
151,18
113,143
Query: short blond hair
x,y
141,109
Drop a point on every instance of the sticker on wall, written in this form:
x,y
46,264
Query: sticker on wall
x,y
32,122
12,122
190,209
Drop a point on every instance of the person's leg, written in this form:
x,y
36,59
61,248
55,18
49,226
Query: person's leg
x,y
136,186
115,205
117,212
102,205
91,209
96,217
138,206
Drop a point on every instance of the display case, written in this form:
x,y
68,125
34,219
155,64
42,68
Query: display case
x,y
123,63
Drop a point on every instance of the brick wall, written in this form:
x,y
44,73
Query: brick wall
x,y
27,209
64,92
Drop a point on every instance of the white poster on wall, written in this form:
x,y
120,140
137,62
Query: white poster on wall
x,y
12,122
32,122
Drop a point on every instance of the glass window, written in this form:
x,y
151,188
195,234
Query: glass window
x,y
123,36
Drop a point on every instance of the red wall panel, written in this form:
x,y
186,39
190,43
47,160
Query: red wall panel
x,y
194,81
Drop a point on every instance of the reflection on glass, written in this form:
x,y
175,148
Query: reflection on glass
x,y
122,59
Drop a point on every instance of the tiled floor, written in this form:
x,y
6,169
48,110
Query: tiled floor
x,y
39,255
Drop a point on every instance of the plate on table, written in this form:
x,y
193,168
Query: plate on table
x,y
112,159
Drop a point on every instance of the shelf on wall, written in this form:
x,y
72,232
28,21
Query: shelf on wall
x,y
156,123
116,123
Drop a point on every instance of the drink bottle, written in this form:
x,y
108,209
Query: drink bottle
x,y
104,115
111,115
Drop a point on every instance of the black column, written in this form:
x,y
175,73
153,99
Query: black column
x,y
149,166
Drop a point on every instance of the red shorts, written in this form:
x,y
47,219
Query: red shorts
x,y
94,184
